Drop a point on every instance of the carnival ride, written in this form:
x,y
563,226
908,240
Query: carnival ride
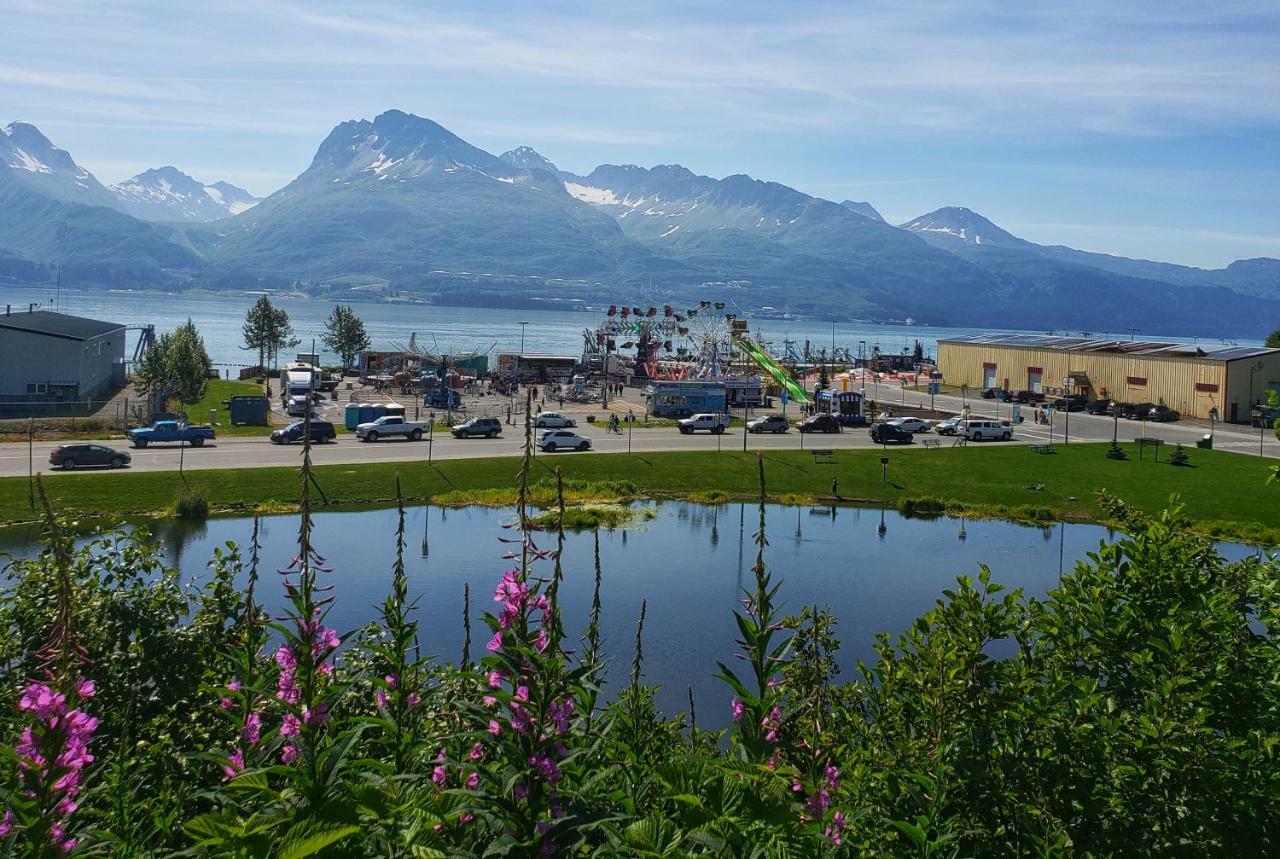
x,y
437,362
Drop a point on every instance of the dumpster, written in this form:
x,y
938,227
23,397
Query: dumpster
x,y
394,409
249,410
1206,442
351,417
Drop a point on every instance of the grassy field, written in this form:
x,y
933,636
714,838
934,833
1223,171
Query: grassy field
x,y
219,391
1226,493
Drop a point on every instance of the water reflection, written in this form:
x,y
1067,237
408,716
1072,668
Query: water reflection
x,y
877,574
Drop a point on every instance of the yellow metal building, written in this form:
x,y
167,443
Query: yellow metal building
x,y
1192,379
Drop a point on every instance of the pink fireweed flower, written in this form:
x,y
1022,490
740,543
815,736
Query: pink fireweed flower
x,y
477,752
234,686
473,781
251,733
495,643
494,679
439,775
737,708
541,641
288,754
317,716
234,764
390,680
489,700
520,791
6,824
494,727
226,703
560,715
464,819
833,777
413,700
381,698
290,726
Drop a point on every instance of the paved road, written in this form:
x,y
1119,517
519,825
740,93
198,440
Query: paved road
x,y
248,452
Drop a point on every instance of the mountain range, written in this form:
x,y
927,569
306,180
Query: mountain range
x,y
400,206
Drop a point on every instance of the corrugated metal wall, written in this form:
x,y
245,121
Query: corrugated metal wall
x,y
28,358
1190,385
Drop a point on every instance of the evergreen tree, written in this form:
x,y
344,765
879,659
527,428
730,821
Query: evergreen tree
x,y
1178,456
1273,339
257,328
346,336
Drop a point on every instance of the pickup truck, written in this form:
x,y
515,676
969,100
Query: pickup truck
x,y
162,432
389,426
713,423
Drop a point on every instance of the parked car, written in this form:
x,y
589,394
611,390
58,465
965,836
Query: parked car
x,y
483,427
713,423
321,432
989,393
768,423
980,430
553,420
1071,403
887,433
911,424
1162,414
821,422
1027,397
69,457
1138,411
561,439
391,426
162,432
950,426
1100,406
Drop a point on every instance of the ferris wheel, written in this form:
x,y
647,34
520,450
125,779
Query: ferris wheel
x,y
708,333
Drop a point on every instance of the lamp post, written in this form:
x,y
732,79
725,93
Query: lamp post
x,y
522,327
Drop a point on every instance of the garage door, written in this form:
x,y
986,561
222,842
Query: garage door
x,y
988,377
1035,381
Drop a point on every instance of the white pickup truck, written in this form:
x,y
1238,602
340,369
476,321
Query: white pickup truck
x,y
391,426
713,423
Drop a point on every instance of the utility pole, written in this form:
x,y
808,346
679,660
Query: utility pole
x,y
31,485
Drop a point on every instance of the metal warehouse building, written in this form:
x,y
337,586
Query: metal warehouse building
x,y
48,358
1192,379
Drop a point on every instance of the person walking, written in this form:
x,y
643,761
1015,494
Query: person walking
x,y
835,488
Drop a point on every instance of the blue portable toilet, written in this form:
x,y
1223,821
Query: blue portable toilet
x,y
366,413
379,410
351,418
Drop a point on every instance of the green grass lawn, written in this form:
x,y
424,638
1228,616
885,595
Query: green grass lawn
x,y
219,391
1226,493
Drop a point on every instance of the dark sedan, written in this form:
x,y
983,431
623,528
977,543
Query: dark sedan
x,y
1162,414
71,456
887,433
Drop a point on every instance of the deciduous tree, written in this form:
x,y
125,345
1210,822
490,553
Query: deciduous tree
x,y
346,336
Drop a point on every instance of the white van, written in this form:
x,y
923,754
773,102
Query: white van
x,y
979,430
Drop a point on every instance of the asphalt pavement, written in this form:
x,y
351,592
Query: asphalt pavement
x,y
253,452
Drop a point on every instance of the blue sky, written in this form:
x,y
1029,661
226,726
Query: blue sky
x,y
1135,128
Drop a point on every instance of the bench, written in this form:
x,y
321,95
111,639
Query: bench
x,y
824,457
1043,448
1144,443
932,443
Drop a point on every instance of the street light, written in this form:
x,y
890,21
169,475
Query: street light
x,y
522,327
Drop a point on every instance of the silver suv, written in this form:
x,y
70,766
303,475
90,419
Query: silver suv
x,y
980,430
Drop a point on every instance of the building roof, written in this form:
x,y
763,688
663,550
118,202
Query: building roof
x,y
1143,348
57,325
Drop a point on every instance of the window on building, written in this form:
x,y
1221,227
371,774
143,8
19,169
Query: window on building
x,y
37,388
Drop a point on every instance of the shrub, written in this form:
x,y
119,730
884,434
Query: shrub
x,y
191,501
1178,456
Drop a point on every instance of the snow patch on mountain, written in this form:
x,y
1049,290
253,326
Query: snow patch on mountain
x,y
595,196
168,194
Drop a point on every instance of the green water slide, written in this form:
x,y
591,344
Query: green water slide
x,y
774,369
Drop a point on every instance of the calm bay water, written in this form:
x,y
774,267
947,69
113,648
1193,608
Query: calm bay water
x,y
690,563
456,329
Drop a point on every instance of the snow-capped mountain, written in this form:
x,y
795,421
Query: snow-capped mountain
x,y
527,158
29,159
953,226
168,194
865,209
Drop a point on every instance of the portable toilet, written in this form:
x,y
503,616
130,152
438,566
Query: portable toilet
x,y
249,410
379,410
351,418
394,409
366,413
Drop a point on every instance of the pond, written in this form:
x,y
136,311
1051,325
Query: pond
x,y
876,570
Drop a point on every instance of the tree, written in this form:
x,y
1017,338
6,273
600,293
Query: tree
x,y
257,328
346,336
280,332
1273,339
177,367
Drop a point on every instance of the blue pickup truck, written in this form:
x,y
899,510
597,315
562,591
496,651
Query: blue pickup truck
x,y
168,432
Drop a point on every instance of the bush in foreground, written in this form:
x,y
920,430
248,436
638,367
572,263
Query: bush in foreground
x,y
1133,711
